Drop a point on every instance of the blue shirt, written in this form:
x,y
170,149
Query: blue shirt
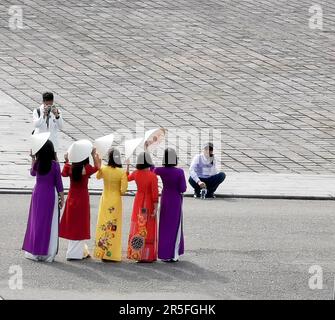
x,y
201,167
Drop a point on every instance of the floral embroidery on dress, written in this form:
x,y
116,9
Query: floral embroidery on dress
x,y
104,243
137,242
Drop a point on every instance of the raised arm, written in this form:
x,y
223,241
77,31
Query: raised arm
x,y
100,173
67,166
127,167
59,119
66,170
124,183
33,170
97,164
96,159
131,176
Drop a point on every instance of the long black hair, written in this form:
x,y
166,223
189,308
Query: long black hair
x,y
114,158
44,158
77,169
144,161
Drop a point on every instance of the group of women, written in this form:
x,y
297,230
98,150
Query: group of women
x,y
145,242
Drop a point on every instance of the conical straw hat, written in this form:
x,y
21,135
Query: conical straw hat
x,y
103,144
38,140
130,146
80,150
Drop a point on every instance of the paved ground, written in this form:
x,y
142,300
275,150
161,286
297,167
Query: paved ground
x,y
252,69
235,249
15,177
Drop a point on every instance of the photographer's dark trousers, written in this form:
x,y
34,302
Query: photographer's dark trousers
x,y
212,184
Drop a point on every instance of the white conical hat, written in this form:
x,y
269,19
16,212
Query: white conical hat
x,y
103,144
80,150
130,146
38,140
154,137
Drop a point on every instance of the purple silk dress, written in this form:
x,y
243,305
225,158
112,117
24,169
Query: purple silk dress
x,y
43,201
171,239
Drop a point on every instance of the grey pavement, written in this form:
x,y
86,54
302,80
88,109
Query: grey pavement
x,y
252,69
15,178
235,249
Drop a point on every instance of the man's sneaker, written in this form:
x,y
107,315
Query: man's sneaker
x,y
210,196
196,195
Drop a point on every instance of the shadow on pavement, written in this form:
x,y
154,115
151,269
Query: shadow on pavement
x,y
100,272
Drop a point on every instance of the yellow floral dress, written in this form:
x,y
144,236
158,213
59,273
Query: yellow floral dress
x,y
108,241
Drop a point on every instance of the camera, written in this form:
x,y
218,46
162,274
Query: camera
x,y
51,109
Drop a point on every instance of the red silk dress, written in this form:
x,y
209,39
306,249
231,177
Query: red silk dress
x,y
142,242
75,222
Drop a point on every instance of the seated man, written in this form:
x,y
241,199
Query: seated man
x,y
204,174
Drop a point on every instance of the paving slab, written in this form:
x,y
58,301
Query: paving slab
x,y
251,71
15,177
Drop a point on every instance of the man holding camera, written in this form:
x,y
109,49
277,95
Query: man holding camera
x,y
48,118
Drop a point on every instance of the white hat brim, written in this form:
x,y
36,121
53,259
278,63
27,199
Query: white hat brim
x,y
38,140
80,150
130,146
103,144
